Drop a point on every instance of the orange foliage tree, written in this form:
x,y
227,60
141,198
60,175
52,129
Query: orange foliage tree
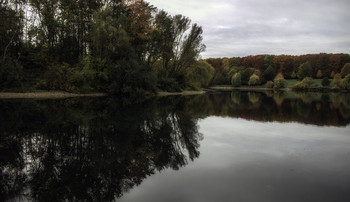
x,y
140,24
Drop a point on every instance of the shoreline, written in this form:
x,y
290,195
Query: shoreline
x,y
57,95
164,93
46,95
259,89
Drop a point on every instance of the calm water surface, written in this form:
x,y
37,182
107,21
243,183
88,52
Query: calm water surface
x,y
235,146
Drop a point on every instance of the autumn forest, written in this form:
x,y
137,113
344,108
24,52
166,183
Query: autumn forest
x,y
131,48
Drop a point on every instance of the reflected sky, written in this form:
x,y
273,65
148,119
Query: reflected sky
x,y
254,161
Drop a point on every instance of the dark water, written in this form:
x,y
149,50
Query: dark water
x,y
235,146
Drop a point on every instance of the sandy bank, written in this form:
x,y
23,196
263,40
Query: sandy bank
x,y
47,95
162,93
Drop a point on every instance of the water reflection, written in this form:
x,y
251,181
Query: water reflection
x,y
96,149
308,108
89,150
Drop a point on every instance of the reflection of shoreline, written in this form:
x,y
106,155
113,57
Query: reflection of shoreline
x,y
321,109
262,89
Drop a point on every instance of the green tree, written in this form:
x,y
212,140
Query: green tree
x,y
201,74
269,73
345,83
345,70
304,70
254,80
74,36
245,74
268,61
325,81
126,74
10,30
236,80
269,84
176,43
219,78
49,24
279,81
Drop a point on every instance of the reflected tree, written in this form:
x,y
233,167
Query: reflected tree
x,y
90,149
96,149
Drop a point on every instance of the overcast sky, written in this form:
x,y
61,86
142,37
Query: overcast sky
x,y
251,27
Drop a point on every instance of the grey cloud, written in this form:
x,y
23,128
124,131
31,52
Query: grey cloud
x,y
250,27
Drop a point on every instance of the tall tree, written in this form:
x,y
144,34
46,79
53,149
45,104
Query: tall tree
x,y
10,29
140,16
180,43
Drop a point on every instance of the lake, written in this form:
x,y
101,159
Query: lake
x,y
234,146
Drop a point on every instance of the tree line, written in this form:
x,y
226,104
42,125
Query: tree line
x,y
122,47
260,69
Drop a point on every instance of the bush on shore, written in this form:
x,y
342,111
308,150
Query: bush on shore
x,y
269,84
254,80
306,83
345,83
325,81
279,81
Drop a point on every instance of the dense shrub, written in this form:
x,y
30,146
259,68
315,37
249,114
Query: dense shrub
x,y
236,80
269,84
168,84
306,83
304,70
325,81
254,80
279,81
11,73
129,78
345,83
56,77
